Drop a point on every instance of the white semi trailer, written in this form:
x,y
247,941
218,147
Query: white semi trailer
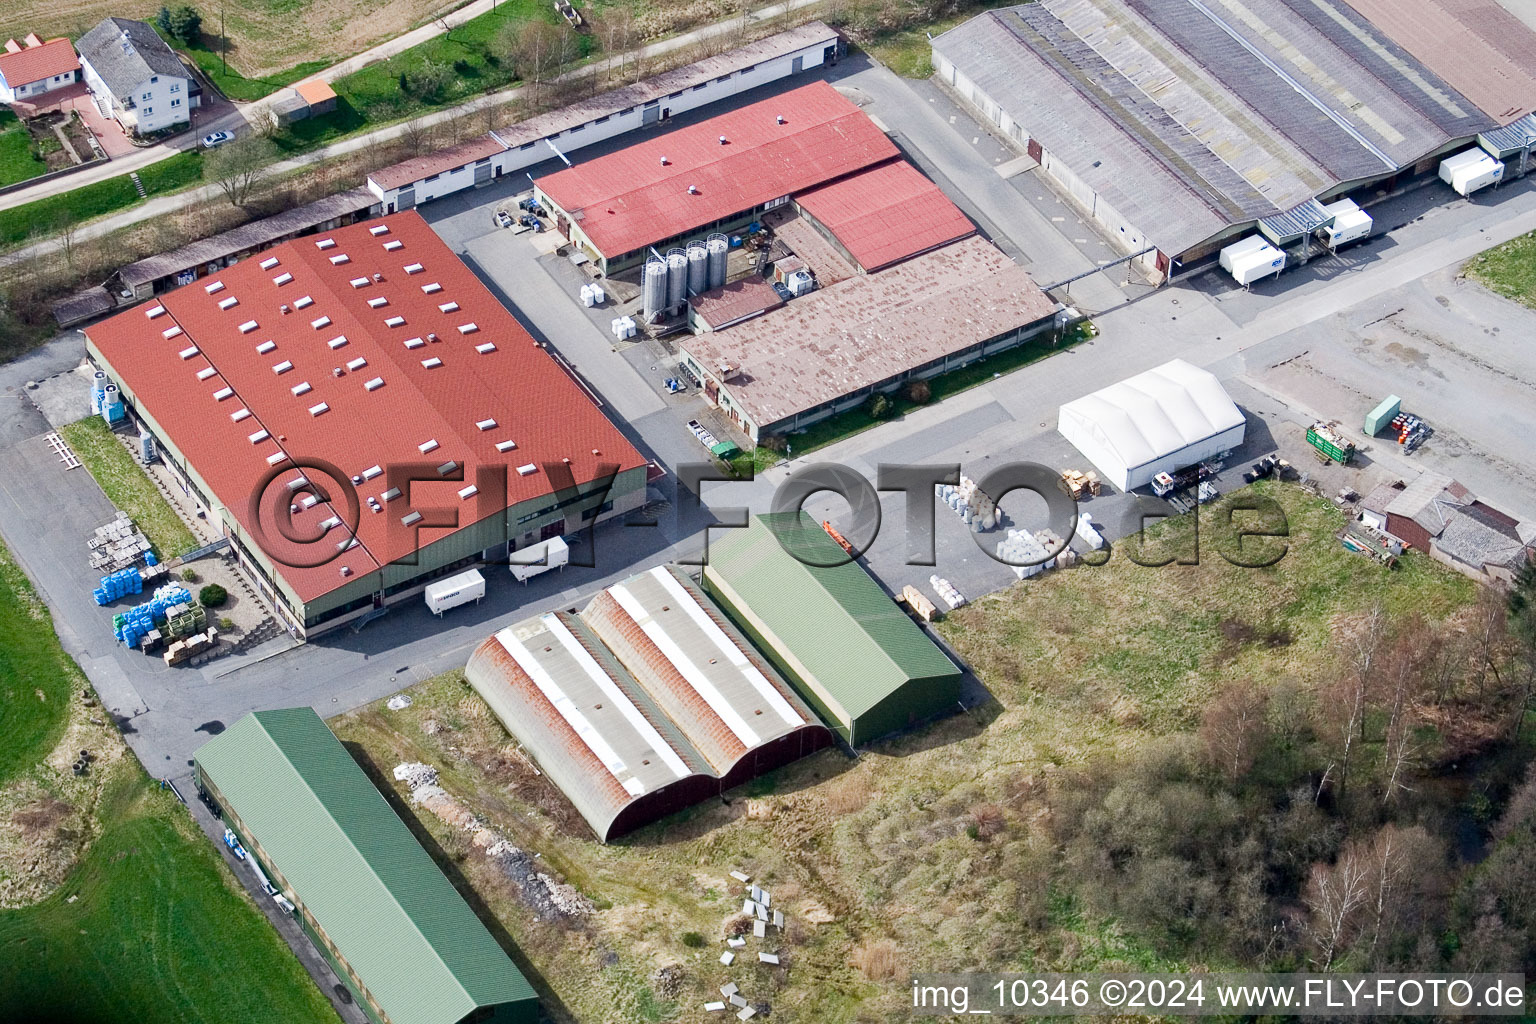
x,y
536,558
454,591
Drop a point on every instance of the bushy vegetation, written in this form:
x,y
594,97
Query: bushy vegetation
x,y
212,596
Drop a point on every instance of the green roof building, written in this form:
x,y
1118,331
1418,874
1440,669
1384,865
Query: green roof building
x,y
368,896
834,633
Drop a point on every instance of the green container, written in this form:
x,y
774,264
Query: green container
x,y
1334,451
1377,419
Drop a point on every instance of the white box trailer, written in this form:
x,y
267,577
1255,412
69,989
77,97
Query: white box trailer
x,y
1470,170
1252,258
1350,223
454,591
536,558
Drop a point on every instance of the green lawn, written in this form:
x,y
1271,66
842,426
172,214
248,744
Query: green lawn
x,y
1508,269
127,486
470,55
36,676
88,202
17,161
156,933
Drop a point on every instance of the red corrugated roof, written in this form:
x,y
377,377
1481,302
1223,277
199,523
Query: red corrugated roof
x,y
35,63
730,302
630,199
886,214
531,399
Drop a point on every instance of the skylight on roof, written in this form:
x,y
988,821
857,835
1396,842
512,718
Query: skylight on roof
x,y
206,372
414,268
432,289
378,301
427,446
414,343
410,518
395,321
432,363
170,332
527,470
316,410
330,523
259,436
393,244
239,414
339,259
188,352
154,311
229,303
320,321
391,494
269,263
282,279
326,243
282,367
359,282
486,424
448,307
265,347
357,364
337,342
301,389
248,327
379,229
303,301
447,467
374,384
371,472
468,492
214,288
487,348
505,446
222,393
469,328
277,457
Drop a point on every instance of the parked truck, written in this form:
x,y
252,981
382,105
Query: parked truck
x,y
528,562
454,591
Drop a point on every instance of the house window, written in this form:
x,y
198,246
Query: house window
x,y
146,96
175,103
153,79
175,87
149,110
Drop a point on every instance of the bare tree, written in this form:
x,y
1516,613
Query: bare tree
x,y
1234,728
236,167
265,122
1402,862
1346,700
1400,686
417,136
1334,895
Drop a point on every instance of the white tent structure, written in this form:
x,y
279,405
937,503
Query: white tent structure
x,y
1172,416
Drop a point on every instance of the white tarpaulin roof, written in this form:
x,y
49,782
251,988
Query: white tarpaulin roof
x,y
1147,417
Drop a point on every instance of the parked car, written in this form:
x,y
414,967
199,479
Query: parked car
x,y
217,139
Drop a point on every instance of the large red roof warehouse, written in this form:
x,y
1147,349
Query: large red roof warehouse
x,y
886,214
222,366
631,198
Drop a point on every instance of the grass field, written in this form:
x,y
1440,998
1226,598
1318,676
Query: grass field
x,y
127,487
1508,269
17,161
879,864
36,676
49,216
236,86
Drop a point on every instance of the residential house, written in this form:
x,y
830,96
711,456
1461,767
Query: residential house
x,y
136,78
32,67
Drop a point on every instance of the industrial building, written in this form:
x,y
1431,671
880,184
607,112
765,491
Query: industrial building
x,y
828,626
647,702
644,104
393,928
360,416
831,349
1440,517
717,175
1179,126
1163,420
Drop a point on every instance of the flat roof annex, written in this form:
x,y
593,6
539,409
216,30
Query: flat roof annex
x,y
687,178
870,328
321,349
375,893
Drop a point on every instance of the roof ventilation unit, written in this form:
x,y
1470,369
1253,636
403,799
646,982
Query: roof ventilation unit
x,y
284,309
693,190
431,336
663,161
346,570
337,371
723,140
780,119
377,277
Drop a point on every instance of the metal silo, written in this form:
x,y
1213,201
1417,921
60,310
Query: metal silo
x,y
719,248
654,287
698,268
677,278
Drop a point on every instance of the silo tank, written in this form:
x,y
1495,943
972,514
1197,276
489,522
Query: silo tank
x,y
698,268
677,278
719,248
654,287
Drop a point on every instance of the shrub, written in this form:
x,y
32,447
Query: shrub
x,y
775,443
880,407
919,391
693,940
226,623
878,960
189,575
212,596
